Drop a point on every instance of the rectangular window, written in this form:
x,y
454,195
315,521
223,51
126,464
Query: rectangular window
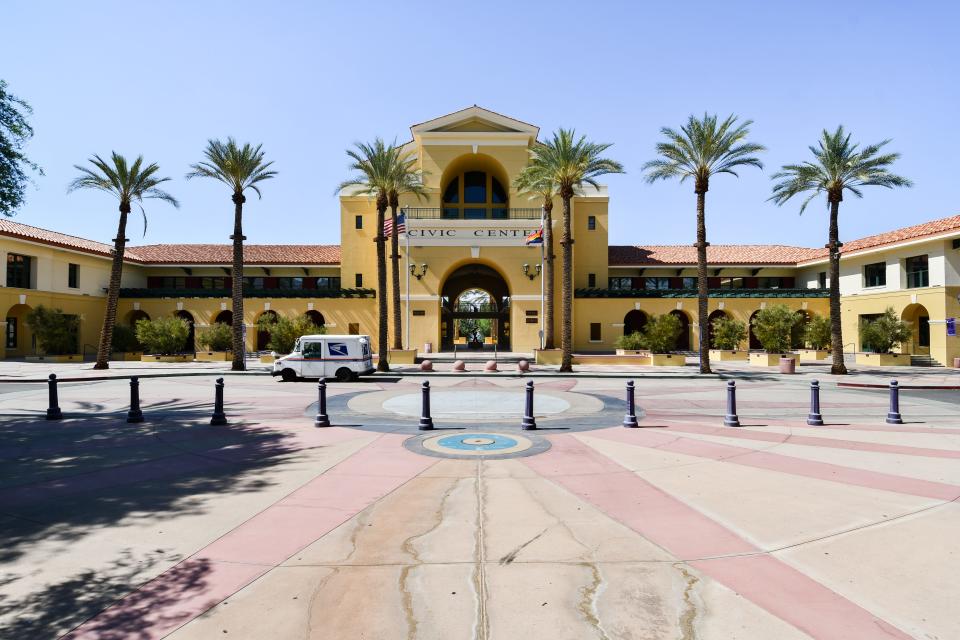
x,y
328,283
591,223
474,214
358,221
358,281
254,282
595,332
451,213
918,274
353,328
875,275
18,271
770,282
822,279
689,283
73,276
620,283
11,333
731,283
591,280
651,284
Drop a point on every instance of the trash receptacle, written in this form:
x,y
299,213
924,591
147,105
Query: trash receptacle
x,y
956,363
428,347
788,365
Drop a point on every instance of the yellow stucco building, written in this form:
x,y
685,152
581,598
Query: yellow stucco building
x,y
468,234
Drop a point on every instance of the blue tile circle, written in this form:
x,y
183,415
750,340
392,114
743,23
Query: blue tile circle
x,y
496,442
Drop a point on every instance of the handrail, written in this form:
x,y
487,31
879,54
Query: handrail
x,y
436,213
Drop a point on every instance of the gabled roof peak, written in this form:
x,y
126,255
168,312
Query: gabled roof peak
x,y
474,119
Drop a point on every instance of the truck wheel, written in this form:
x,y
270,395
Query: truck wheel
x,y
288,375
344,374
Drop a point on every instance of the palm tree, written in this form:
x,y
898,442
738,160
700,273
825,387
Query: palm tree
x,y
838,166
569,162
530,181
375,166
405,178
129,184
702,149
240,168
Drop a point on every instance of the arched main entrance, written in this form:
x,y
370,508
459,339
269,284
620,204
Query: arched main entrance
x,y
917,316
494,307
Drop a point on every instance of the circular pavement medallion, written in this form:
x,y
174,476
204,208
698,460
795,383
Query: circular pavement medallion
x,y
477,445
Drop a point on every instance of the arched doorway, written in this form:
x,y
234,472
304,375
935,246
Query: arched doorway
x,y
225,317
634,321
18,339
135,316
263,336
316,318
186,315
683,342
796,334
495,307
919,320
754,341
716,314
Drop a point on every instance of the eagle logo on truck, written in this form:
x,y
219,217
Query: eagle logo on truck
x,y
338,349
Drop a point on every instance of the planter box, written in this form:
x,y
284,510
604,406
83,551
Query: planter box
x,y
180,357
71,357
403,356
607,359
546,356
668,360
214,356
126,356
813,354
769,359
633,352
724,355
268,359
884,359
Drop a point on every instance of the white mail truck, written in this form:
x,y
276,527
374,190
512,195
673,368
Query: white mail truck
x,y
325,356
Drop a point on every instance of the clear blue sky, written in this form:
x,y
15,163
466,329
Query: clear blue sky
x,y
307,79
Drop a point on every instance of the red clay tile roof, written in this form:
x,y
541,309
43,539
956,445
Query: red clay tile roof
x,y
717,254
916,232
36,234
222,254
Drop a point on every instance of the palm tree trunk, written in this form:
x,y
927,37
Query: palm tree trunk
x,y
548,281
113,291
566,289
702,295
382,333
836,328
239,361
395,274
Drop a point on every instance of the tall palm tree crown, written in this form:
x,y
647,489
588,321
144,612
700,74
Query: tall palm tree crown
x,y
405,178
569,162
240,168
838,165
374,167
530,180
129,183
704,147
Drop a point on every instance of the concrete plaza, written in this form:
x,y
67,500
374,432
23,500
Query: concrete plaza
x,y
271,528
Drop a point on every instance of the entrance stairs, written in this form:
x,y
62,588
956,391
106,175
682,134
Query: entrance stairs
x,y
923,361
471,355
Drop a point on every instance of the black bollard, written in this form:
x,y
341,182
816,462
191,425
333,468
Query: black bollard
x,y
814,418
529,422
731,419
893,415
426,422
53,411
219,417
135,414
322,420
630,420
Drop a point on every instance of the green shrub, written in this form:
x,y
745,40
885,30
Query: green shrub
x,y
817,332
284,331
124,339
773,325
885,333
216,337
56,332
659,335
163,336
728,333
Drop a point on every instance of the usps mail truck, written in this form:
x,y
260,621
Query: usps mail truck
x,y
325,356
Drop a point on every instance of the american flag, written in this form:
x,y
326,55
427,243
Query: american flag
x,y
388,225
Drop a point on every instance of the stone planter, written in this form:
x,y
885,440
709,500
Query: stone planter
x,y
633,352
214,356
884,359
126,356
70,357
547,356
810,355
769,359
788,365
403,356
641,359
668,360
179,357
270,358
726,355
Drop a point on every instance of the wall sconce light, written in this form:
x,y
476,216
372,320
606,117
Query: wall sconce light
x,y
418,274
526,270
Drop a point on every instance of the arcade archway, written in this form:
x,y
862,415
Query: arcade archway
x,y
477,310
683,340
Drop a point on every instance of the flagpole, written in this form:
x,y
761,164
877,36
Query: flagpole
x,y
406,237
543,271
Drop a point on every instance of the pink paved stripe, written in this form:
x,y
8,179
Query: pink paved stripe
x,y
687,533
258,545
814,441
688,418
781,463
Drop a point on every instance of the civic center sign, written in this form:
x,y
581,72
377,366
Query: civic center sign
x,y
468,233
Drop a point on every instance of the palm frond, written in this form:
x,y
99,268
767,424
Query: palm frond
x,y
239,167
